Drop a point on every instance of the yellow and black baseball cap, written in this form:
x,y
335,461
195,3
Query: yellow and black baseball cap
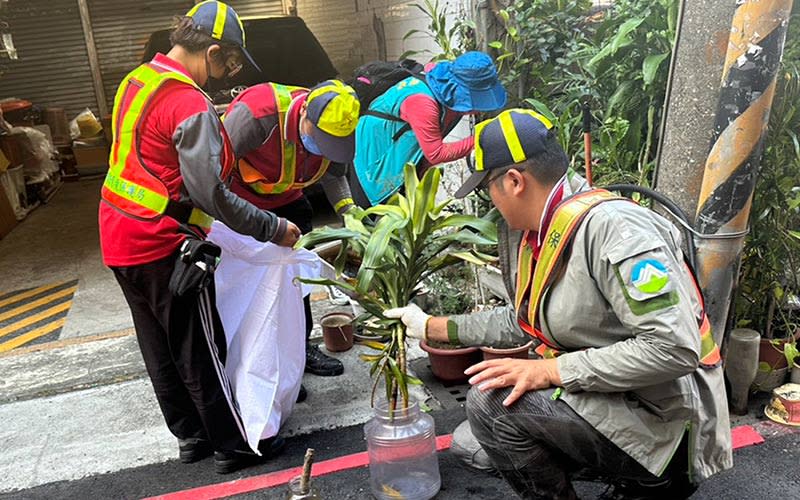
x,y
333,108
222,23
513,136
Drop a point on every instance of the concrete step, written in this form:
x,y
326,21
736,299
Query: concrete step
x,y
69,365
81,409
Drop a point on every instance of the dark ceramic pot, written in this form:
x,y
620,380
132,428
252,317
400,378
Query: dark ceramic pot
x,y
520,352
448,365
337,331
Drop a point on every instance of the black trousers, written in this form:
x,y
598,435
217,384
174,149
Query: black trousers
x,y
539,445
356,190
300,213
183,346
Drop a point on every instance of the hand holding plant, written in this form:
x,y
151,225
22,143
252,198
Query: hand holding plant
x,y
412,238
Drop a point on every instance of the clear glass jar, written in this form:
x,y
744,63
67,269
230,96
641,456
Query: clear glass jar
x,y
295,493
402,454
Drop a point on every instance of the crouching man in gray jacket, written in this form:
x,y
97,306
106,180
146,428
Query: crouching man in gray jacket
x,y
629,387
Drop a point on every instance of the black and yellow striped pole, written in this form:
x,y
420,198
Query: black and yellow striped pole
x,y
754,52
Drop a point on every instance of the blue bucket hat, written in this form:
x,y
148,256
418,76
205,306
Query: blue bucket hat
x,y
221,22
469,83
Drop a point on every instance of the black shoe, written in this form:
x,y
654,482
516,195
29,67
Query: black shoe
x,y
193,449
226,462
657,490
321,364
302,395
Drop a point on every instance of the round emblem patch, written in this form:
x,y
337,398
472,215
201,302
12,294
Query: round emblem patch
x,y
649,276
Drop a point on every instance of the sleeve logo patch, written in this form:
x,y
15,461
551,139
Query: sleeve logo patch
x,y
649,276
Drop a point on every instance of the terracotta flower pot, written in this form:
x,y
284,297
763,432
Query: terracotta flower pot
x,y
772,353
448,365
520,352
337,331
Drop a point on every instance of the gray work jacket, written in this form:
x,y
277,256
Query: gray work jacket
x,y
631,366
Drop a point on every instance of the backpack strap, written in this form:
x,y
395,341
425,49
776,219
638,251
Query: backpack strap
x,y
405,128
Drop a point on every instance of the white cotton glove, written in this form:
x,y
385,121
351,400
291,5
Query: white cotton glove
x,y
415,319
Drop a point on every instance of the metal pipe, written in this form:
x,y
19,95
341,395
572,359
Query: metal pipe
x,y
587,138
672,208
94,62
755,47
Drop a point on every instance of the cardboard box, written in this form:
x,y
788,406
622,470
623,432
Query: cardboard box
x,y
91,159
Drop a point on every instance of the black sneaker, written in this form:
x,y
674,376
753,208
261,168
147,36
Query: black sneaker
x,y
302,395
656,490
193,449
321,364
226,462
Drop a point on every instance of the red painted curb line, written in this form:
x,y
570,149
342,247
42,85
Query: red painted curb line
x,y
742,436
248,484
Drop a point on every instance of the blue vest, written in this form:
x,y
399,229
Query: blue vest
x,y
379,160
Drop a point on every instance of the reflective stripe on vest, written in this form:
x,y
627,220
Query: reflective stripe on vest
x,y
534,281
129,185
287,181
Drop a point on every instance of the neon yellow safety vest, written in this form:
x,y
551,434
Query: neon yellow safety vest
x,y
288,176
535,277
129,185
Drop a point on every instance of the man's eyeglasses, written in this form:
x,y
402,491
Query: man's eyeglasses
x,y
233,67
489,179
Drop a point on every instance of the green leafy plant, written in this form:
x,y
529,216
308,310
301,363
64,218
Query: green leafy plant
x,y
628,64
534,50
412,238
561,52
446,38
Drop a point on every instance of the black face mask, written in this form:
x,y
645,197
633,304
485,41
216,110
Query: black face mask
x,y
214,84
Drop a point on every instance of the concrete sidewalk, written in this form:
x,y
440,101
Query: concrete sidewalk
x,y
103,416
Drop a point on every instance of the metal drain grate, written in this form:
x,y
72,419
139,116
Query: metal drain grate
x,y
448,396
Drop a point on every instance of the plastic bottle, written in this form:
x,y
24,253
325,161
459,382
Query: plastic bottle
x,y
402,454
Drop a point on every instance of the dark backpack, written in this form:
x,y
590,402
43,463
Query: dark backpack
x,y
373,79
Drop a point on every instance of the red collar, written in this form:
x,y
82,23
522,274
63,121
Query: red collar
x,y
292,125
170,64
554,199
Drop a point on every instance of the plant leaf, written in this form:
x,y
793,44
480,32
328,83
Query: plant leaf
x,y
391,210
485,227
470,257
467,237
378,346
401,380
650,67
377,249
425,198
324,235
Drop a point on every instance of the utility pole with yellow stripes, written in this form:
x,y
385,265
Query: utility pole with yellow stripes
x,y
755,48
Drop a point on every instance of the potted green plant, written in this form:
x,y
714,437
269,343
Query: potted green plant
x,y
411,238
400,244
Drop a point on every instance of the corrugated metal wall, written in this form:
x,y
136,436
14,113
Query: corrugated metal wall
x,y
121,29
53,66
260,8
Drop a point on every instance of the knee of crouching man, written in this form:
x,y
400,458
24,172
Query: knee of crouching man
x,y
482,407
